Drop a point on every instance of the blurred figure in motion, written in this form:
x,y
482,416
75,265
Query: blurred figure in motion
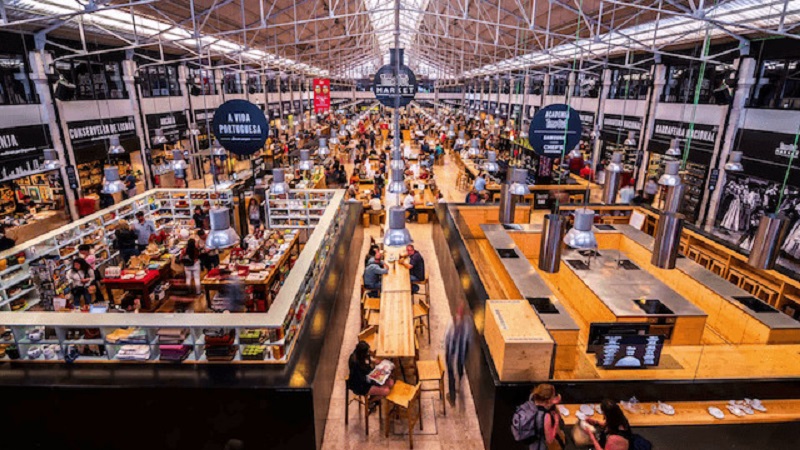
x,y
456,345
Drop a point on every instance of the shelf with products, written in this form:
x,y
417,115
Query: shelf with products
x,y
297,208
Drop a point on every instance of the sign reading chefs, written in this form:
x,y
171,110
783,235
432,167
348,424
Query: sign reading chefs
x,y
554,130
240,127
391,84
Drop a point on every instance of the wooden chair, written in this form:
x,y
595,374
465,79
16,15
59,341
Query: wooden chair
x,y
765,293
692,253
424,289
422,311
433,371
704,260
718,267
404,403
369,335
362,400
735,276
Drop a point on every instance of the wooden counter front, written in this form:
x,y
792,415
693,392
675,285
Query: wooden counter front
x,y
521,347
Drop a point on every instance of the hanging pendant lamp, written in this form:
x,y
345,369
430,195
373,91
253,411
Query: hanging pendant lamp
x,y
114,147
674,148
111,182
221,234
193,130
305,161
671,175
518,181
474,149
217,149
613,179
279,185
667,240
397,235
490,165
397,162
323,150
178,160
397,185
460,141
159,138
581,236
631,140
734,163
51,161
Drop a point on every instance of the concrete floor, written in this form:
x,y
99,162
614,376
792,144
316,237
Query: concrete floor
x,y
459,429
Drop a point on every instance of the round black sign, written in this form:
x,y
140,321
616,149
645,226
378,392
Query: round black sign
x,y
554,130
388,87
240,127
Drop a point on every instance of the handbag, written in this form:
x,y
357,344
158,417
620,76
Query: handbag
x,y
580,436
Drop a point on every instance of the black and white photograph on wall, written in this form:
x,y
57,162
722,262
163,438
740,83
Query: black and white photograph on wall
x,y
744,200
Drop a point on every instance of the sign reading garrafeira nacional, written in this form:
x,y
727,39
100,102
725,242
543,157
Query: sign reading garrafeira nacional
x,y
240,127
393,83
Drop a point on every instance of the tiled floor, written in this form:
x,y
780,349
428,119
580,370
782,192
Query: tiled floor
x,y
459,428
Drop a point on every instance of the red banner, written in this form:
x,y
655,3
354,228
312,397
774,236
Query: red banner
x,y
322,95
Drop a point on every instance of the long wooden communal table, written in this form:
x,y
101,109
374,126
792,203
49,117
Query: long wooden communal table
x,y
396,325
397,280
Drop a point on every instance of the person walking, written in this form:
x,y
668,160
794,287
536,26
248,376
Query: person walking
x,y
144,229
456,345
125,240
190,259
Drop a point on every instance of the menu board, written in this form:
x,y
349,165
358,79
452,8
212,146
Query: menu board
x,y
630,351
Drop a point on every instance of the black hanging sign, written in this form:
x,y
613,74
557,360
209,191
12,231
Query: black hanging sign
x,y
89,138
613,123
173,124
587,124
554,130
766,155
240,127
484,105
22,149
72,177
393,83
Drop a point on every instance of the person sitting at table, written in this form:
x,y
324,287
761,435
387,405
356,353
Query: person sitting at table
x,y
472,197
190,259
587,173
361,364
355,177
408,205
5,241
480,182
373,276
126,240
375,205
143,229
25,205
81,276
415,266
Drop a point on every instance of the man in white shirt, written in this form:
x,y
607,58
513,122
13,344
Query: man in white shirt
x,y
626,194
480,183
408,205
375,203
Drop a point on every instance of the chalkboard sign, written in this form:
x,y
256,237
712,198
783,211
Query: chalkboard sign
x,y
555,130
630,352
72,177
240,127
713,179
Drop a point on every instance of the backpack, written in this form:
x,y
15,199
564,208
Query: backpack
x,y
527,423
637,442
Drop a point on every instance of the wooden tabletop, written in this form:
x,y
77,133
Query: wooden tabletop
x,y
215,282
396,326
696,413
398,279
402,393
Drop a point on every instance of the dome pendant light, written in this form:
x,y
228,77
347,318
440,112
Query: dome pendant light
x,y
51,161
193,130
581,236
178,160
474,149
397,185
323,150
671,175
397,235
518,182
305,161
674,148
159,138
734,163
111,182
575,153
279,185
397,162
631,140
460,141
217,149
114,147
491,163
221,234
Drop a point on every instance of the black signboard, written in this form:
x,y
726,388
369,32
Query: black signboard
x,y
286,106
713,179
587,124
89,138
613,123
503,109
21,149
554,130
766,155
297,106
274,110
72,177
240,127
203,117
484,105
516,110
630,351
173,124
395,83
704,138
492,107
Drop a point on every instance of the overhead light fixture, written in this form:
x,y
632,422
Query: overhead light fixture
x,y
178,160
217,149
279,185
474,149
305,161
159,138
581,236
398,184
193,130
397,162
768,241
51,161
221,234
491,163
397,235
631,140
323,149
671,175
575,153
734,163
111,182
518,181
451,133
674,148
114,147
667,240
460,141
334,138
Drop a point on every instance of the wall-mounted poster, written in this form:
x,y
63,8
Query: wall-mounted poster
x,y
322,95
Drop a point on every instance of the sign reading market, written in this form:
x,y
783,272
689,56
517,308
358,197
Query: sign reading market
x,y
395,84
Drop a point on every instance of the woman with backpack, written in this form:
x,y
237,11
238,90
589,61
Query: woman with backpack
x,y
537,422
190,259
615,432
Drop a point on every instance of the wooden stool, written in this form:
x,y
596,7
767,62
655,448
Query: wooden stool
x,y
362,400
748,284
576,198
735,276
369,335
718,267
704,260
365,220
425,289
692,253
403,403
377,219
422,311
433,371
769,295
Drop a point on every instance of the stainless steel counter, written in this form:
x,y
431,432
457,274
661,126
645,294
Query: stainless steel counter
x,y
719,285
617,287
526,279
